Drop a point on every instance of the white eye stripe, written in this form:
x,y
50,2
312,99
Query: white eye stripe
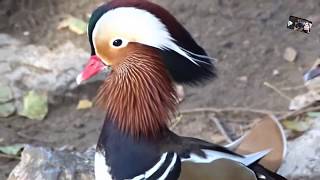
x,y
139,26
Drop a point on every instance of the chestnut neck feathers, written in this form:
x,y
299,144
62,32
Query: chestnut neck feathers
x,y
138,95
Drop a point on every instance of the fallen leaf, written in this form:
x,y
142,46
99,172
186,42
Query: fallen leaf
x,y
298,126
7,109
35,106
5,94
76,25
14,150
313,114
84,104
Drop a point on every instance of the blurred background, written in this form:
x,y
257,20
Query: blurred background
x,y
43,45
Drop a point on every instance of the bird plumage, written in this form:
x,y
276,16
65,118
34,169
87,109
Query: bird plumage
x,y
148,50
139,94
164,32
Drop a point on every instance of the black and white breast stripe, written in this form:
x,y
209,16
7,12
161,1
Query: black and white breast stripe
x,y
168,167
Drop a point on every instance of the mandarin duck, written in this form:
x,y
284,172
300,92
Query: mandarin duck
x,y
146,50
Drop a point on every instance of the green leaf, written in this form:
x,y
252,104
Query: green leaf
x,y
76,25
14,150
5,94
298,126
35,106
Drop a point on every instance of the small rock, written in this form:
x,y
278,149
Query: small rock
x,y
46,164
79,125
275,72
7,109
246,43
243,79
228,44
26,33
6,40
290,54
5,93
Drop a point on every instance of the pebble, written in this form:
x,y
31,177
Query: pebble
x,y
290,54
243,79
275,72
246,43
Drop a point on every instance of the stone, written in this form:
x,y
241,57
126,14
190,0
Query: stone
x,y
243,79
46,164
4,67
246,43
6,40
275,72
5,93
290,54
7,109
31,67
303,156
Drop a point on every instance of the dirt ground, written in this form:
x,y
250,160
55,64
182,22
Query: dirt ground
x,y
247,37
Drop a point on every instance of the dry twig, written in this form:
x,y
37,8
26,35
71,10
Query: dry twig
x,y
277,90
295,88
221,128
230,109
299,112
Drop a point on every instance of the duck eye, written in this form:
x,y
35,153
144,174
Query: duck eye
x,y
117,43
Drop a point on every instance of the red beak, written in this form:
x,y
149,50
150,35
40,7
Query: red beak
x,y
93,67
